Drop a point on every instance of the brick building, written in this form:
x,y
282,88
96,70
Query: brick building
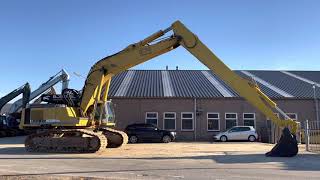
x,y
197,104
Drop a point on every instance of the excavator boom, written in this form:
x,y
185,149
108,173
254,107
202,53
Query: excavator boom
x,y
100,74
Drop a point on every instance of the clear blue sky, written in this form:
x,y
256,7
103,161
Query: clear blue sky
x,y
38,38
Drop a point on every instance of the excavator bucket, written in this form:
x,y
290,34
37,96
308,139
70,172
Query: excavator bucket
x,y
286,147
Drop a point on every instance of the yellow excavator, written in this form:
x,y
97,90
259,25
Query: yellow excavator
x,y
77,123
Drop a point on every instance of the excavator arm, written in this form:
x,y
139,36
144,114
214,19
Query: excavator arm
x,y
61,76
98,80
24,89
246,89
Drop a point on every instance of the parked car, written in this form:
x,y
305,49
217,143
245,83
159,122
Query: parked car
x,y
237,133
148,133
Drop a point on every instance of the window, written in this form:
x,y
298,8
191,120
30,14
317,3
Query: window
x,y
293,116
140,127
213,122
187,121
152,118
249,119
231,120
169,120
243,129
235,129
239,129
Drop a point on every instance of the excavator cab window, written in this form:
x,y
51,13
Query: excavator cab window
x,y
110,112
107,115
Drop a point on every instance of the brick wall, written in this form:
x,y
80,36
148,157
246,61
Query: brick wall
x,y
130,111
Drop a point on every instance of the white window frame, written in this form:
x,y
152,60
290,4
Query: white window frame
x,y
175,120
187,118
296,114
218,119
146,117
225,117
250,119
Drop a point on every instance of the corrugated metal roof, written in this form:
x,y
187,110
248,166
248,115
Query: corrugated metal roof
x,y
116,82
146,84
167,85
217,84
311,75
195,84
270,86
301,78
293,86
192,84
269,92
125,84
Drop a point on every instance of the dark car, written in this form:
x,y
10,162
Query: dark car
x,y
148,133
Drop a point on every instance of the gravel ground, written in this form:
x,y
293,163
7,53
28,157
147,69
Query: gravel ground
x,y
201,160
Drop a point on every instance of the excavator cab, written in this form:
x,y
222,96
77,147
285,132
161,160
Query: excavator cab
x,y
107,115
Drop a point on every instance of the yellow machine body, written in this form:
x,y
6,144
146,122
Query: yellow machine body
x,y
56,116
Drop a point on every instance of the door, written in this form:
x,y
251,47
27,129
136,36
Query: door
x,y
244,133
151,134
234,134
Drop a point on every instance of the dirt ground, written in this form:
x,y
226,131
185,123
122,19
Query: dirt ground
x,y
142,150
178,160
182,149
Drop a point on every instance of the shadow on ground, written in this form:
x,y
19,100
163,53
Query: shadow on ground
x,y
21,151
301,162
12,140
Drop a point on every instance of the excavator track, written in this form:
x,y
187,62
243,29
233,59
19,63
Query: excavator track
x,y
66,141
115,138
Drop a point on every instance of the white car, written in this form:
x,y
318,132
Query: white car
x,y
237,133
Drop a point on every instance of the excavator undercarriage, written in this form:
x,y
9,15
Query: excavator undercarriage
x,y
66,141
75,140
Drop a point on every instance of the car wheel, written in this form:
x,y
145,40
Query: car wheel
x,y
166,139
133,139
223,138
252,138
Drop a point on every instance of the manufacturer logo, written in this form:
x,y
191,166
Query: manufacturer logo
x,y
48,121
